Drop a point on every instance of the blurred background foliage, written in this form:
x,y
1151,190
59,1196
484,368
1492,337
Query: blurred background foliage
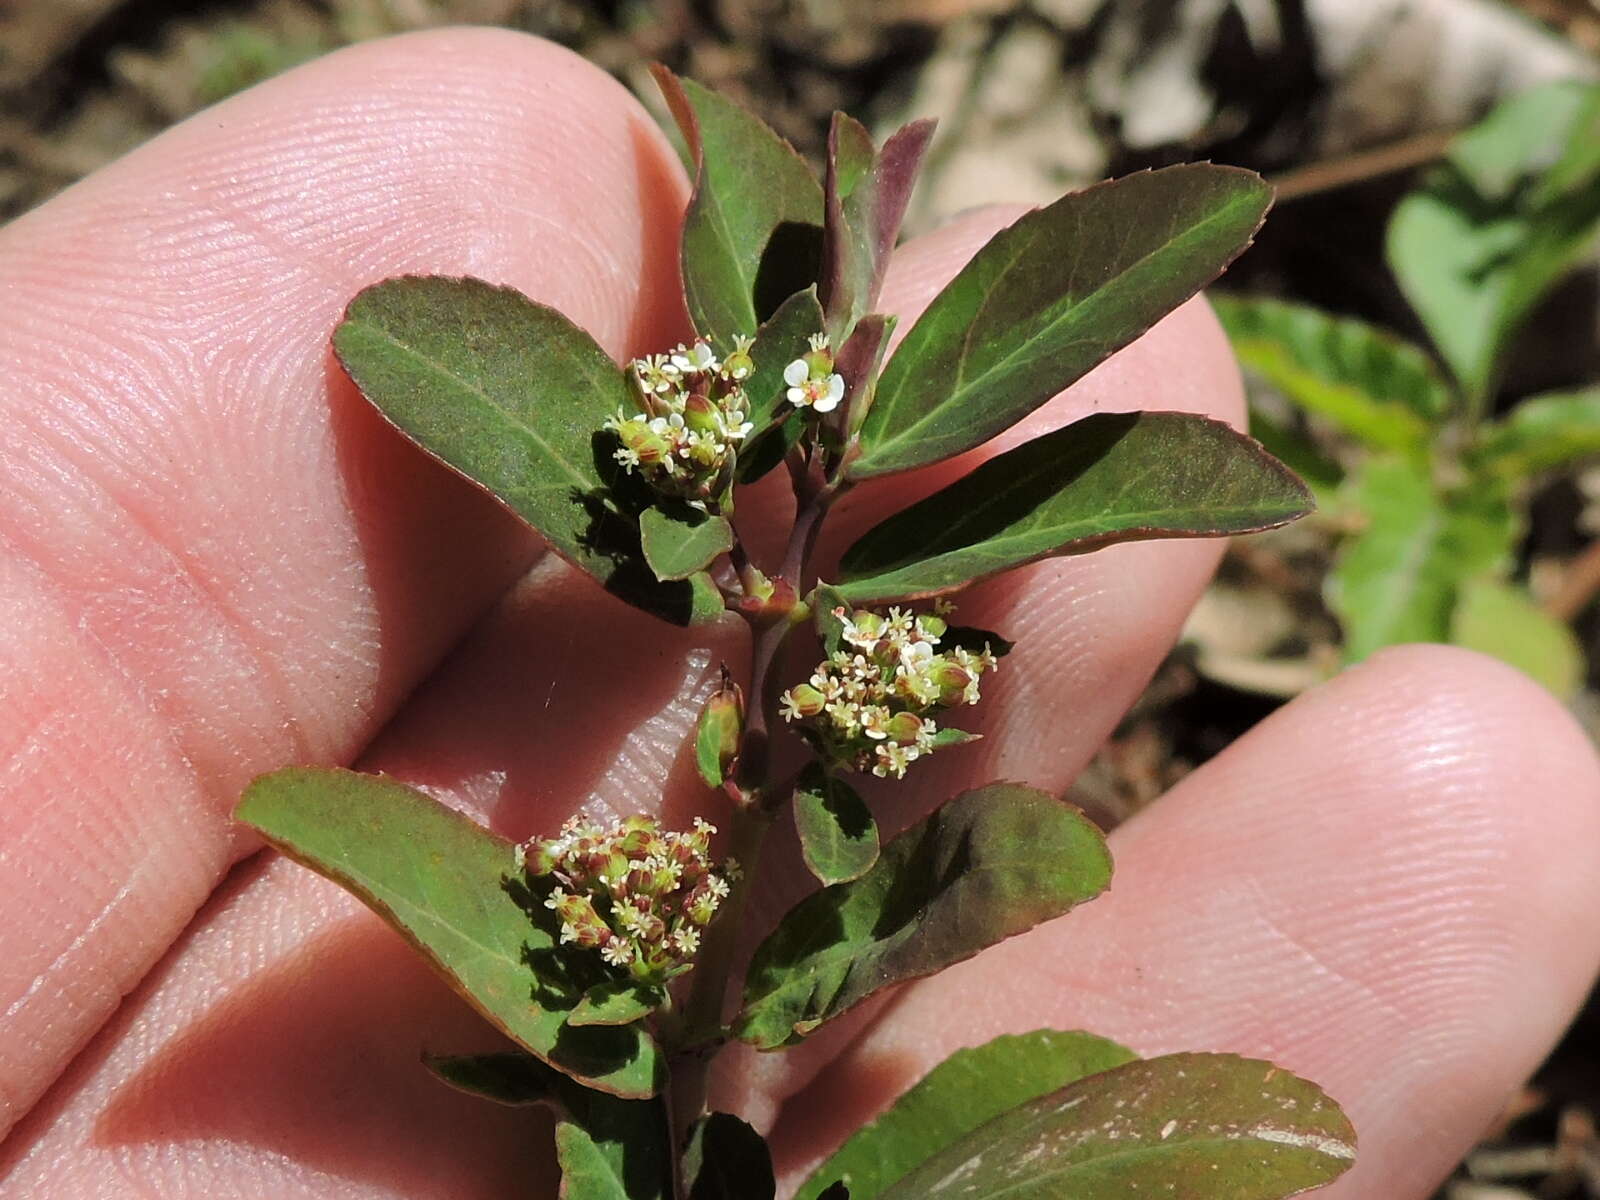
x,y
1460,489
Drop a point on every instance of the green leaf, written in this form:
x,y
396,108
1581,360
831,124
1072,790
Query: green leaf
x,y
967,1089
512,1078
991,863
782,339
1049,298
1397,580
455,891
1296,450
612,1149
826,601
1500,618
616,1003
753,231
1542,433
1111,477
680,541
512,395
1377,389
1182,1125
727,1160
609,1149
838,837
866,192
718,732
1498,224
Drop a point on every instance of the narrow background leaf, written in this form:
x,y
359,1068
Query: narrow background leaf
x,y
1370,385
784,337
838,837
753,231
1049,298
970,1087
1542,433
448,885
1183,1125
991,863
1108,478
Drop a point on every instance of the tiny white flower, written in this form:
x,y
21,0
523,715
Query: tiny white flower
x,y
686,940
818,341
827,395
618,952
695,358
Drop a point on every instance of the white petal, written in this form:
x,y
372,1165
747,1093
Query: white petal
x,y
796,373
797,397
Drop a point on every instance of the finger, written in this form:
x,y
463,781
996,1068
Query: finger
x,y
218,560
1386,887
563,700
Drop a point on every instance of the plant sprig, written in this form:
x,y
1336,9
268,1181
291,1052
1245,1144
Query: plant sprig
x,y
609,955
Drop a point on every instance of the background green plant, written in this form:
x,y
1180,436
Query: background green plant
x,y
1430,482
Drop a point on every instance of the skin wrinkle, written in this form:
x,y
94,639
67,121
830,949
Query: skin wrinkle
x,y
192,249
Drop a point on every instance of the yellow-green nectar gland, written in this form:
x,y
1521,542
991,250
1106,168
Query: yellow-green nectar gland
x,y
638,895
869,706
692,417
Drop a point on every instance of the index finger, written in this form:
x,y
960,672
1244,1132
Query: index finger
x,y
215,559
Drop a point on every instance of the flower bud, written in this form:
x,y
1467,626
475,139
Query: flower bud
x,y
648,446
905,728
700,414
805,700
720,729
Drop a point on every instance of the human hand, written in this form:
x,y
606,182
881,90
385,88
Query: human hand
x,y
218,560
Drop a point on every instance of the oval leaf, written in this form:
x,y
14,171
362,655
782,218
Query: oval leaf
x,y
1112,477
991,863
753,231
838,837
1049,298
616,1004
961,1093
449,886
1181,1125
727,1160
512,395
682,541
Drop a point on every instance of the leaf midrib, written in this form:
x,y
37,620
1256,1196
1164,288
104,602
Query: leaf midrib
x,y
953,397
445,373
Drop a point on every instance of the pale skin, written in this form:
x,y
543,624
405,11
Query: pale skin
x,y
216,561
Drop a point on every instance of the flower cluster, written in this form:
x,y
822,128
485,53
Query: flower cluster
x,y
638,895
868,706
812,381
692,417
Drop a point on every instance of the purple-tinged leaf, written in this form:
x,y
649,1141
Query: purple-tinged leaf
x,y
1111,477
989,864
1182,1125
858,362
967,1089
454,890
1049,298
866,192
752,233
